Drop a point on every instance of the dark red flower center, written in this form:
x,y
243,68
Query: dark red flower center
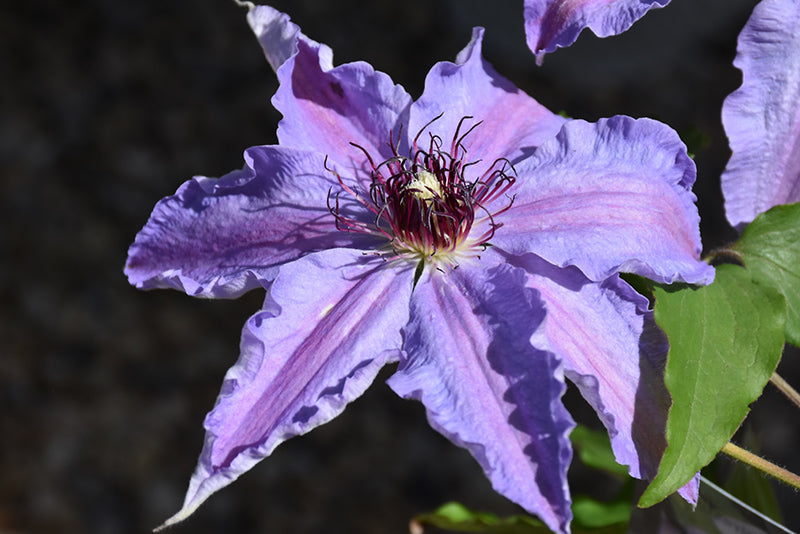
x,y
424,204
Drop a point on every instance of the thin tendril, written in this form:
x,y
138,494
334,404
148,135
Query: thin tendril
x,y
744,505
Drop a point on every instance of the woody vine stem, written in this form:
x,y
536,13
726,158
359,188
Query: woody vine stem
x,y
767,467
784,387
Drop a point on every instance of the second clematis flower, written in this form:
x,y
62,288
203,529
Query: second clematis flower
x,y
551,24
762,117
471,235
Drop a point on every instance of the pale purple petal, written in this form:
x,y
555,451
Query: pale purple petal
x,y
762,117
551,24
277,35
613,351
486,388
512,122
220,238
326,108
479,352
330,322
608,197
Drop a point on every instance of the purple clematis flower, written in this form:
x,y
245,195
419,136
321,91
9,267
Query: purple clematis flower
x,y
551,24
472,236
762,117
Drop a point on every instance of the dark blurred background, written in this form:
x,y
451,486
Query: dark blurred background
x,y
109,105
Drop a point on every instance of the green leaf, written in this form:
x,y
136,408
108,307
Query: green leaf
x,y
594,450
770,250
725,343
455,516
591,517
591,513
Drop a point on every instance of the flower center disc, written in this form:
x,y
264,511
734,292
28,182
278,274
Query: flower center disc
x,y
427,185
425,206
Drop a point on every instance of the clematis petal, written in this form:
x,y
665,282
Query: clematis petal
x,y
486,388
220,238
512,122
325,108
607,197
330,322
551,24
613,351
762,117
277,35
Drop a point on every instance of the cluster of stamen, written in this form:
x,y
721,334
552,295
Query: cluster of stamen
x,y
423,204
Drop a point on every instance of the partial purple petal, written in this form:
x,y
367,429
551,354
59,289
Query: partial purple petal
x,y
613,351
608,197
330,322
551,24
470,362
512,122
220,238
762,117
325,108
277,35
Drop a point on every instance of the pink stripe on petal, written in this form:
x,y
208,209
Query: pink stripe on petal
x,y
327,108
220,238
613,351
470,362
608,197
512,123
762,117
330,322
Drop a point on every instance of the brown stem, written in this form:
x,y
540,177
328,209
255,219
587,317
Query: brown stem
x,y
734,451
785,388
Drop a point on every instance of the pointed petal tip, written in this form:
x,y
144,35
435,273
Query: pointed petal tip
x,y
491,403
475,45
691,491
511,121
285,385
275,32
189,507
553,24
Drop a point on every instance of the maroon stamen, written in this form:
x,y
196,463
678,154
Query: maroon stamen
x,y
423,203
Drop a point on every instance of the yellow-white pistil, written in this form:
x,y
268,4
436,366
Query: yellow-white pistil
x,y
424,205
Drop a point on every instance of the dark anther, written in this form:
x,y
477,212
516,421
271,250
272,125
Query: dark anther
x,y
423,203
